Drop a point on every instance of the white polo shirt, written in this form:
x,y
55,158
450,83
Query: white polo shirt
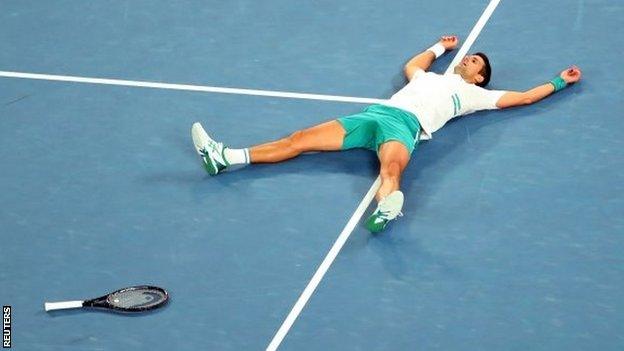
x,y
435,99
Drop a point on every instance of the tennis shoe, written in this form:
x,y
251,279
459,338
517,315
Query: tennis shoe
x,y
211,152
388,209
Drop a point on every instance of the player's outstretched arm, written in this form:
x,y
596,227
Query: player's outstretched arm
x,y
425,58
516,98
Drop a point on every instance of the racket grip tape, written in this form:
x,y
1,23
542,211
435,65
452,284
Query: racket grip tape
x,y
52,306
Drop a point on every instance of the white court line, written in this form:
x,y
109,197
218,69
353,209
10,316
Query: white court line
x,y
357,215
187,87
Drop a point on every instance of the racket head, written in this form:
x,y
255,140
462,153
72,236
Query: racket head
x,y
133,299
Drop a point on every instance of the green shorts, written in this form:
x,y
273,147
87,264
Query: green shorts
x,y
379,124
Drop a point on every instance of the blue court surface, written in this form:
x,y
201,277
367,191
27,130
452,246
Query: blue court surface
x,y
512,234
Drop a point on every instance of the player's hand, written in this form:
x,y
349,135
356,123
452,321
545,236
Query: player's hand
x,y
571,75
449,41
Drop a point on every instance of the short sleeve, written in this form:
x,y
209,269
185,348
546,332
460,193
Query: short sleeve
x,y
484,99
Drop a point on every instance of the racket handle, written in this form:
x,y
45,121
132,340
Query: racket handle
x,y
52,306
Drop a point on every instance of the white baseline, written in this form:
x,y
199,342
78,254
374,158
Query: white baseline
x,y
357,215
188,87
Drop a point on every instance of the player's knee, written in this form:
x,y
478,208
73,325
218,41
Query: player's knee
x,y
391,171
296,141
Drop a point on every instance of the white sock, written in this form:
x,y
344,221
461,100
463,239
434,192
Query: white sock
x,y
237,156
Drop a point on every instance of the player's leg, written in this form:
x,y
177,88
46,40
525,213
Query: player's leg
x,y
393,157
216,157
327,136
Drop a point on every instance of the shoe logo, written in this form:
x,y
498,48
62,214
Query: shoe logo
x,y
211,152
214,146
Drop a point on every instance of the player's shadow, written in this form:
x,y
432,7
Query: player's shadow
x,y
354,162
403,256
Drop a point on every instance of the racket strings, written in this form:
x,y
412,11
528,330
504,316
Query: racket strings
x,y
140,298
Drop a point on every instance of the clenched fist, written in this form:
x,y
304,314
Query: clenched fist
x,y
571,74
449,41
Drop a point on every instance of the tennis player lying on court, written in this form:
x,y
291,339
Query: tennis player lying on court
x,y
393,128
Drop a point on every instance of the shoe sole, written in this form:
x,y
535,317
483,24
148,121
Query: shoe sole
x,y
200,139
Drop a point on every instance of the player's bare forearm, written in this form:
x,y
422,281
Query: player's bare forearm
x,y
515,98
520,98
425,59
421,61
538,93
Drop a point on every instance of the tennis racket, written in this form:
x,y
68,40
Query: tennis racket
x,y
133,299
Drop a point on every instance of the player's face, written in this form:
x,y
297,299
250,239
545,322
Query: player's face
x,y
473,64
470,66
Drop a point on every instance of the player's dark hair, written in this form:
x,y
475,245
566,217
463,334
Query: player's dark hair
x,y
486,71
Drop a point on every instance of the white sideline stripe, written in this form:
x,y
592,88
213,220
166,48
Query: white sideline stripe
x,y
320,272
188,87
355,218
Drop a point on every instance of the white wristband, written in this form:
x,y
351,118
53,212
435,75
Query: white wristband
x,y
437,49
